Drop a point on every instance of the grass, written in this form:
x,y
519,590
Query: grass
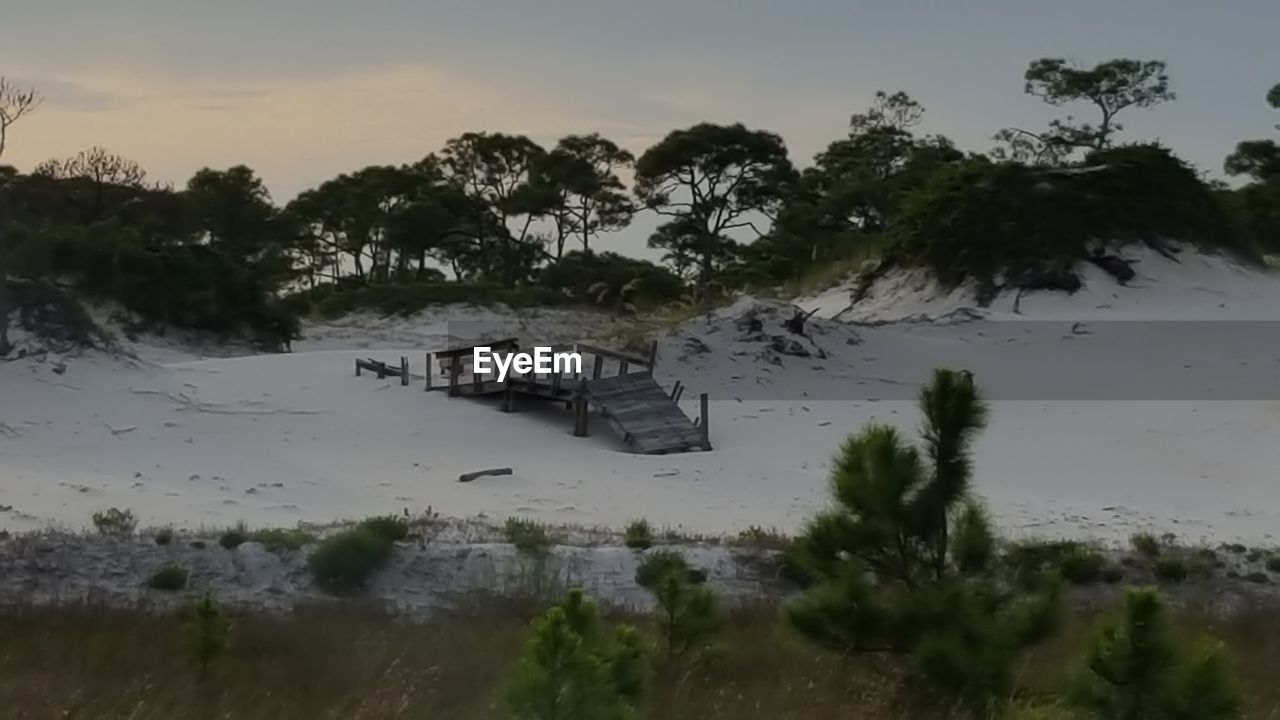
x,y
352,662
115,521
234,537
529,536
282,539
760,538
1145,544
639,535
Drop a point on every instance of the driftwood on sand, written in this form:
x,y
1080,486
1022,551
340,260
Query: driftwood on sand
x,y
468,477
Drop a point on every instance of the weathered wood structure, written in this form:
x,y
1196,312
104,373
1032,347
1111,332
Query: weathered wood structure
x,y
383,370
618,386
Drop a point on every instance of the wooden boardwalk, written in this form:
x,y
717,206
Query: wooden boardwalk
x,y
649,421
619,386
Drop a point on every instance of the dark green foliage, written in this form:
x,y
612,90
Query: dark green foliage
x,y
1082,566
345,561
759,538
164,536
709,180
1171,568
406,299
1112,574
639,535
577,668
529,536
234,537
688,615
979,220
611,280
1145,544
208,631
391,528
903,567
1137,668
1258,577
282,539
1273,564
170,578
115,521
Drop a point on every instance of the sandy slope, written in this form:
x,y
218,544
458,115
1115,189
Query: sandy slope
x,y
1098,428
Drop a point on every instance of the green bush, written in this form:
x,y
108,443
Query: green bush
x,y
208,631
164,536
762,538
234,537
1258,577
610,280
529,536
345,561
1112,574
1273,564
392,528
639,535
115,521
169,578
282,539
1082,566
1145,544
1171,569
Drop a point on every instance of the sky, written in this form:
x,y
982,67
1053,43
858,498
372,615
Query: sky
x,y
301,90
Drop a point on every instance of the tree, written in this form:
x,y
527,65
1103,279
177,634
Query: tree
x,y
1259,159
576,668
1111,87
688,614
101,172
500,172
15,102
855,186
710,180
1137,668
581,174
904,566
208,631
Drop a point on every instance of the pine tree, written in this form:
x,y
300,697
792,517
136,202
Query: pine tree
x,y
208,632
576,668
1137,668
903,567
688,614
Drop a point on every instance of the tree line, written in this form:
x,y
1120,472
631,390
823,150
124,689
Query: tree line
x,y
499,216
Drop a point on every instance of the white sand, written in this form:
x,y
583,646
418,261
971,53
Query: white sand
x,y
1189,446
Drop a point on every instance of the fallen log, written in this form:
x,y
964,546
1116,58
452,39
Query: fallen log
x,y
468,477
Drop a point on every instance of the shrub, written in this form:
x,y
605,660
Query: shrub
x,y
164,536
281,539
1145,544
1171,569
762,538
576,667
170,578
1082,566
639,535
1237,548
688,614
1137,667
529,536
1258,577
610,280
114,521
234,537
208,631
390,527
1255,555
344,562
199,544
1273,564
1112,575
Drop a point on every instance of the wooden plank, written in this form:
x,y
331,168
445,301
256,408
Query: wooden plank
x,y
612,354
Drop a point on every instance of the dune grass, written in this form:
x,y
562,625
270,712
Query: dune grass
x,y
347,661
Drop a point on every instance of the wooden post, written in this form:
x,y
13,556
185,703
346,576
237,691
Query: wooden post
x,y
705,424
404,371
382,370
623,367
428,372
579,415
454,370
598,369
653,355
357,367
509,396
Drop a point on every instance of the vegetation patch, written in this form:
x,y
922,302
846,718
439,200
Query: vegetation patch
x,y
639,535
344,561
115,522
170,578
529,536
